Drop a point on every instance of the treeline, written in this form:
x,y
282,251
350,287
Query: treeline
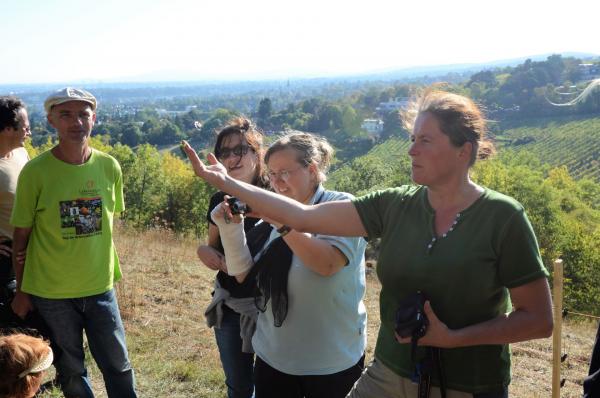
x,y
526,90
334,110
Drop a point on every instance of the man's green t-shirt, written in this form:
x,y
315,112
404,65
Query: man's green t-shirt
x,y
70,209
465,274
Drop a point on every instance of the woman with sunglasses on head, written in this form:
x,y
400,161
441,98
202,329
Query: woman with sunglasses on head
x,y
239,149
310,334
470,249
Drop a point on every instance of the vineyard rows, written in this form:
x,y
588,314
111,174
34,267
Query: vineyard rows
x,y
575,145
391,149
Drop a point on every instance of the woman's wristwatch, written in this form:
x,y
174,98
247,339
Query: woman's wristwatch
x,y
283,230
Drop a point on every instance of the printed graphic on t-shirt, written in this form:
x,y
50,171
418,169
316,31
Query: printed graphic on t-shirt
x,y
81,218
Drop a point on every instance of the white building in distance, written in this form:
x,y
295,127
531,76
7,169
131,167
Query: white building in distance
x,y
372,126
392,105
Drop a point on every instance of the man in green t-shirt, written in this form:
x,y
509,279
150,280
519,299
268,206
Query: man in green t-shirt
x,y
63,217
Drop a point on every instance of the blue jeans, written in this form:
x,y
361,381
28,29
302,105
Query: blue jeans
x,y
99,316
237,365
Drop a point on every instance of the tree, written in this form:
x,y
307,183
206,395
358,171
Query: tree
x,y
311,105
150,125
392,126
168,133
171,133
327,120
265,108
487,77
350,121
142,185
190,120
132,135
146,114
370,98
184,201
216,121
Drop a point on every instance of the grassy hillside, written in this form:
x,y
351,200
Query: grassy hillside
x,y
165,291
574,143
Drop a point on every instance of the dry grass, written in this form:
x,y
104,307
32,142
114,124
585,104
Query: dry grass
x,y
532,362
163,296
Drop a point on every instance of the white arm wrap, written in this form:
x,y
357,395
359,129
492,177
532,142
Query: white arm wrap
x,y
233,238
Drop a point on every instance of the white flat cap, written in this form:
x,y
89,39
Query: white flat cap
x,y
69,94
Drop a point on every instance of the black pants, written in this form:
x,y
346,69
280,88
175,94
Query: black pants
x,y
8,286
591,384
495,394
271,383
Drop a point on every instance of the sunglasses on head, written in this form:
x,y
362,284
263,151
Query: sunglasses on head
x,y
238,150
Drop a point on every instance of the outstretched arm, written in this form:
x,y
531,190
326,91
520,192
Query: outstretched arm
x,y
330,218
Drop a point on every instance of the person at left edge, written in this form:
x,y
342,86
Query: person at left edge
x,y
14,129
63,215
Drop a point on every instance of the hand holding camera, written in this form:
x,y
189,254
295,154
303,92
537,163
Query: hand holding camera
x,y
237,206
415,317
411,321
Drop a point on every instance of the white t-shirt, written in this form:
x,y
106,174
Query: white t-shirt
x,y
10,168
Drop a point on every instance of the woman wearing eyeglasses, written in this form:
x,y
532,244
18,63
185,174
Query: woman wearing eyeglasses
x,y
310,334
239,149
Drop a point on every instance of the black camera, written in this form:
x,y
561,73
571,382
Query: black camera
x,y
237,206
411,320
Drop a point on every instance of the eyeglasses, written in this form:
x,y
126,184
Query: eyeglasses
x,y
284,175
238,150
27,128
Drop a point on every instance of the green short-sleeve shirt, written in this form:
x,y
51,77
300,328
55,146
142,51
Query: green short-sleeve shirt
x,y
466,274
70,209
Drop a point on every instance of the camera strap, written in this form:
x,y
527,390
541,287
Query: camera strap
x,y
424,369
424,380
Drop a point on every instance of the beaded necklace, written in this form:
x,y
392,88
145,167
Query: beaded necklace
x,y
434,239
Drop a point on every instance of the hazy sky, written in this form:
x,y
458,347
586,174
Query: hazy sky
x,y
119,40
